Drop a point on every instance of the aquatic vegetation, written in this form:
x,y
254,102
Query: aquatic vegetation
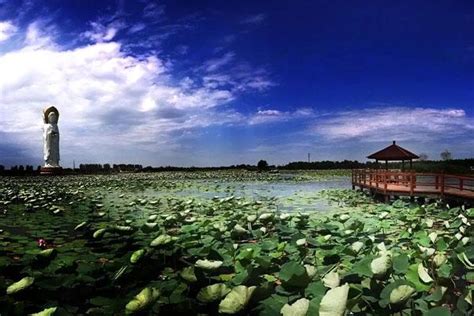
x,y
118,248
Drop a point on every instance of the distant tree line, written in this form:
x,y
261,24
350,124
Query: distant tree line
x,y
454,166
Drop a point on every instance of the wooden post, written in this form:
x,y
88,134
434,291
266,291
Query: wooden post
x,y
442,184
437,182
461,184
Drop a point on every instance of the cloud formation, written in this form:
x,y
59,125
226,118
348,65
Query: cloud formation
x,y
401,123
109,101
7,29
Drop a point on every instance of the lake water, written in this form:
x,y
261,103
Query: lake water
x,y
287,195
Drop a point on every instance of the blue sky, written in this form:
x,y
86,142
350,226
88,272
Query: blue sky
x,y
227,82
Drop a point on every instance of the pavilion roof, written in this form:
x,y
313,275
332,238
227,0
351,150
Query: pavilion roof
x,y
393,152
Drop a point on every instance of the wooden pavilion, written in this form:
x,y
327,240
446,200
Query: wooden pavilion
x,y
388,183
394,153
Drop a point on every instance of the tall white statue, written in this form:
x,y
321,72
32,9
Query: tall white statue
x,y
51,137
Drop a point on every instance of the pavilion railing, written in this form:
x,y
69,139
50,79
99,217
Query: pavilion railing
x,y
395,180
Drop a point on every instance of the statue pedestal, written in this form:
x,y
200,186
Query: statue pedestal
x,y
51,171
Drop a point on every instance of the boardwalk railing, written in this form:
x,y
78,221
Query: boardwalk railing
x,y
393,182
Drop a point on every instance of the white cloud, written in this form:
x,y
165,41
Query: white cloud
x,y
254,19
274,116
401,123
102,33
7,30
217,63
109,102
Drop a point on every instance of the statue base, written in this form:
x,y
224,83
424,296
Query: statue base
x,y
51,171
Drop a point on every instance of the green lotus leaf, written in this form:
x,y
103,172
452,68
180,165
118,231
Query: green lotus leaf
x,y
331,280
379,266
236,300
401,293
439,259
79,226
266,217
301,242
401,263
99,233
357,246
46,312
251,218
423,274
239,231
142,300
152,218
188,274
137,255
294,274
213,292
47,253
344,217
298,308
208,264
20,285
334,301
310,270
162,240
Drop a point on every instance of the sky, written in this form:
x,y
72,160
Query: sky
x,y
212,83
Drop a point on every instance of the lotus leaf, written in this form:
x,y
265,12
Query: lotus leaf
x,y
236,300
208,264
20,285
334,301
213,292
142,300
298,308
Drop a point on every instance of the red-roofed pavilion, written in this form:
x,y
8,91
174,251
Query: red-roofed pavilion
x,y
394,153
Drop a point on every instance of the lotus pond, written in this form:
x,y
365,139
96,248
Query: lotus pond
x,y
227,242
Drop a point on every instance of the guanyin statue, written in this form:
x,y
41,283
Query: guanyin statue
x,y
51,138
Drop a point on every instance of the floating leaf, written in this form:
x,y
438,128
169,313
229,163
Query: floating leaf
x,y
334,301
161,240
20,285
380,265
293,274
79,226
188,274
357,246
142,300
212,292
423,274
208,264
331,280
236,300
439,259
298,308
137,255
46,312
99,233
401,263
401,293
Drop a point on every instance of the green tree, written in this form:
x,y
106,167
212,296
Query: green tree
x,y
446,155
262,165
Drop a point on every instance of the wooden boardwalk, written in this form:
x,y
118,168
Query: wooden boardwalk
x,y
397,183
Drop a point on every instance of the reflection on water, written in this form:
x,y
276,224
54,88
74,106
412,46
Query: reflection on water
x,y
287,195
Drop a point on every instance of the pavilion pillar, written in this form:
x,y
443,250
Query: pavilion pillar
x,y
386,164
403,165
